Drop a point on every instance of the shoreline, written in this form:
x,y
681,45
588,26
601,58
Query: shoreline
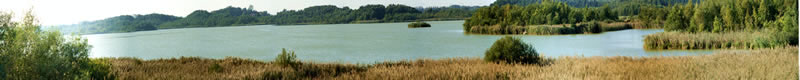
x,y
275,25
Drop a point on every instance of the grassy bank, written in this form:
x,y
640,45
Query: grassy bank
x,y
580,28
764,63
707,40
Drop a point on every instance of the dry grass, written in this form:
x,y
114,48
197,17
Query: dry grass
x,y
766,63
193,68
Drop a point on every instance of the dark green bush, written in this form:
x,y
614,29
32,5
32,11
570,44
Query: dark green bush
x,y
512,50
418,24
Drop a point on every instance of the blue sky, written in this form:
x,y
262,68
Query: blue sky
x,y
54,12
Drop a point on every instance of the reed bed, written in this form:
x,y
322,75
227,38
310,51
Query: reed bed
x,y
616,26
707,40
763,63
580,28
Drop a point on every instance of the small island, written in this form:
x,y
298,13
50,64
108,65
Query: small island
x,y
418,24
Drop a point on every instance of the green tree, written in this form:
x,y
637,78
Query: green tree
x,y
728,18
718,25
371,12
29,53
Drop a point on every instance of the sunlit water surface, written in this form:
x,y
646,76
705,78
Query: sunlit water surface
x,y
357,43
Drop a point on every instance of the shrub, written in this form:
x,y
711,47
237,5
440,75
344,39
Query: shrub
x,y
510,49
100,69
592,27
29,53
287,59
215,68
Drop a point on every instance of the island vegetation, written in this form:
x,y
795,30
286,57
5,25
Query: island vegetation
x,y
233,16
418,24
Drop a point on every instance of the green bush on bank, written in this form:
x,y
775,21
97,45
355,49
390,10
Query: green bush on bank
x,y
287,59
298,70
512,50
28,53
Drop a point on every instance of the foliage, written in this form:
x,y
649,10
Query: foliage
x,y
232,16
710,40
100,69
546,12
512,50
329,14
728,16
287,59
123,23
708,25
26,52
418,24
549,30
578,28
215,68
223,17
498,29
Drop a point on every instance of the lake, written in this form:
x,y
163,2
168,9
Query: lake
x,y
358,43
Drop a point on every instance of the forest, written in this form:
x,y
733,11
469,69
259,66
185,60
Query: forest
x,y
514,18
710,24
233,16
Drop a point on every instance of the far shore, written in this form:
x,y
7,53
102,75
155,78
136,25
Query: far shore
x,y
235,25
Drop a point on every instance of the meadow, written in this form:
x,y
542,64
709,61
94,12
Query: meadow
x,y
763,63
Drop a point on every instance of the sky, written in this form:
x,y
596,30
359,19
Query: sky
x,y
59,12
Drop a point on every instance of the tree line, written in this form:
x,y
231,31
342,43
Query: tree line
x,y
545,12
231,16
729,16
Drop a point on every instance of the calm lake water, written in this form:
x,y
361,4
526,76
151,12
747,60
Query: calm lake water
x,y
357,43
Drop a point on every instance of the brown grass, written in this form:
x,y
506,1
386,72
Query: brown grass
x,y
766,63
